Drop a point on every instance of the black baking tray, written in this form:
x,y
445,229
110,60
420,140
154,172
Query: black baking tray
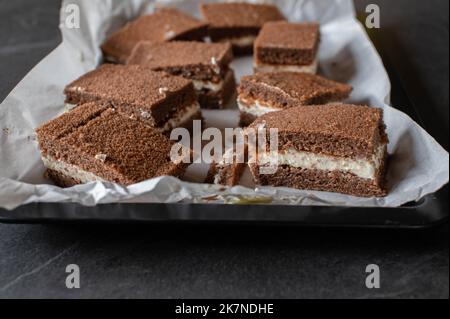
x,y
432,210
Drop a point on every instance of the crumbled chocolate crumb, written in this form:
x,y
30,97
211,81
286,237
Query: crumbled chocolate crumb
x,y
145,114
211,198
169,34
101,157
32,138
163,90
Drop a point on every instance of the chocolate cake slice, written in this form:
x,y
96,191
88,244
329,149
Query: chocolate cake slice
x,y
156,98
334,148
238,23
166,24
205,64
229,170
284,46
95,142
269,92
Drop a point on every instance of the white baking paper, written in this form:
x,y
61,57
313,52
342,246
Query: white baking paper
x,y
419,165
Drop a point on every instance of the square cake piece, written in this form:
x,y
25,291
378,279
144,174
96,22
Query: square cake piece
x,y
156,98
205,64
166,24
238,23
269,92
283,46
94,142
334,148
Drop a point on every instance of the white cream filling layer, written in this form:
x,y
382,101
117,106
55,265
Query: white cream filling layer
x,y
254,108
69,170
242,41
211,86
267,68
208,85
217,178
181,117
111,59
363,168
68,107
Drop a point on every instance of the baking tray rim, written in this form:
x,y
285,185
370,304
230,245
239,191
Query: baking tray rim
x,y
430,211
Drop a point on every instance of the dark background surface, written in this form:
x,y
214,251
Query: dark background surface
x,y
175,261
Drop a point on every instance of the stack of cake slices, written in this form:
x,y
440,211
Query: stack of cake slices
x,y
335,148
238,23
270,92
284,46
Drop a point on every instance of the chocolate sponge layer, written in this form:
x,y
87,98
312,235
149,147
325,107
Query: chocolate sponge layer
x,y
288,89
163,25
239,15
328,181
341,130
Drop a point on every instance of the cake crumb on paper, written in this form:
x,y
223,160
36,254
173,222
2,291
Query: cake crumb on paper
x,y
7,131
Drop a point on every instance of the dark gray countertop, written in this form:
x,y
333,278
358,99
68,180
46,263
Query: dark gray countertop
x,y
174,261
